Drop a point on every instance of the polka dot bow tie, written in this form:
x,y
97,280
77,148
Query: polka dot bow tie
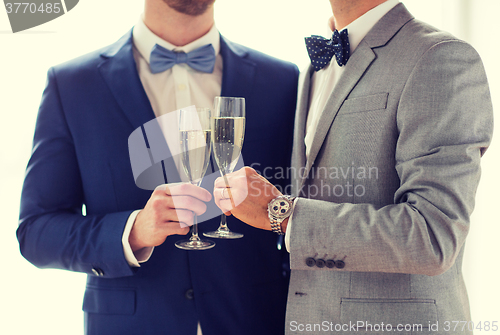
x,y
321,50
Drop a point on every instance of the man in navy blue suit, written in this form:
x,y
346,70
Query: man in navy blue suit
x,y
138,281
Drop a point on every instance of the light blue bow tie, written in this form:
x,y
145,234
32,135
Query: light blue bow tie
x,y
201,59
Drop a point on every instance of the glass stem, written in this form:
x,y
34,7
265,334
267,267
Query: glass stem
x,y
223,224
194,230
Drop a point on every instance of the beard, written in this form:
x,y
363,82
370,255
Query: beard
x,y
190,7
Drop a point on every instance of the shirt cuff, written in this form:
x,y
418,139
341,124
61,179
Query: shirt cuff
x,y
141,255
288,227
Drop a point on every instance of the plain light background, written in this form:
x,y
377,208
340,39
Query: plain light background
x,y
34,301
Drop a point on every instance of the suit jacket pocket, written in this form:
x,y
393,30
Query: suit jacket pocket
x,y
109,301
365,104
389,311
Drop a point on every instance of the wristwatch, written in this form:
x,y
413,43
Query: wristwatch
x,y
278,210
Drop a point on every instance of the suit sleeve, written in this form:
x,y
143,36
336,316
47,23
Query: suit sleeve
x,y
444,119
52,232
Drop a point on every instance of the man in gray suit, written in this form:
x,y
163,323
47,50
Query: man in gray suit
x,y
386,162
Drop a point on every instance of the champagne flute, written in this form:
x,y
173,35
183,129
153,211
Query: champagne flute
x,y
228,131
194,127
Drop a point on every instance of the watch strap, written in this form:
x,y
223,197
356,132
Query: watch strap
x,y
276,227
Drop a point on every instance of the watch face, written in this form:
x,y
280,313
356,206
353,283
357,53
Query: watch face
x,y
280,207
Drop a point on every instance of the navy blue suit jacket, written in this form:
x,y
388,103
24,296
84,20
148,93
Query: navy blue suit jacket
x,y
80,156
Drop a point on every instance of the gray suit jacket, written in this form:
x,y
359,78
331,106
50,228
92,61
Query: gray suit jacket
x,y
389,185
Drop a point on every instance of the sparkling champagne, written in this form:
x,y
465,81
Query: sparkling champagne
x,y
195,146
227,138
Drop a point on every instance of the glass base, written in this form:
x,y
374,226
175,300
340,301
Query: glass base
x,y
195,244
224,234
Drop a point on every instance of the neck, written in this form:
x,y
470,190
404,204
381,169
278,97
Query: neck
x,y
346,11
176,28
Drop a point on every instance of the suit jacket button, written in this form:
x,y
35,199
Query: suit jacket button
x,y
320,263
330,263
189,294
310,262
98,272
340,264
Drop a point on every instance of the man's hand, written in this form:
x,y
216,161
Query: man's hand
x,y
246,197
169,211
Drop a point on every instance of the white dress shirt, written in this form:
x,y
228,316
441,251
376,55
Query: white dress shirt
x,y
168,91
323,81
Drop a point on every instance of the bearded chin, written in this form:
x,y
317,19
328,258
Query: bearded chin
x,y
190,7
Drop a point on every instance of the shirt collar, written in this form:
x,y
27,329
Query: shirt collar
x,y
144,40
358,28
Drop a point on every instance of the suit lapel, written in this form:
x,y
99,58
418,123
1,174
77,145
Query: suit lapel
x,y
299,133
357,65
119,71
237,77
238,72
